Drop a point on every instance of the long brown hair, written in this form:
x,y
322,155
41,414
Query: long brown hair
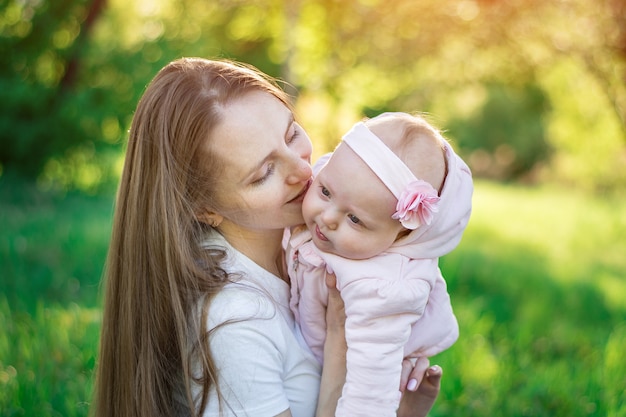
x,y
156,270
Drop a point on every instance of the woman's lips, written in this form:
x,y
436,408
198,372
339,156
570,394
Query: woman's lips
x,y
300,197
319,234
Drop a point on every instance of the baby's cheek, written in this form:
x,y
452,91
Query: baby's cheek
x,y
307,208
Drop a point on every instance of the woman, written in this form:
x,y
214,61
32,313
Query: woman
x,y
194,315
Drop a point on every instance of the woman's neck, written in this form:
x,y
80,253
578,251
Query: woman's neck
x,y
263,247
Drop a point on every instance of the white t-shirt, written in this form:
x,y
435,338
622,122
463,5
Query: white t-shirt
x,y
264,364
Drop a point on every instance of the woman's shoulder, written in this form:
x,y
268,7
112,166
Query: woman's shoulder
x,y
240,301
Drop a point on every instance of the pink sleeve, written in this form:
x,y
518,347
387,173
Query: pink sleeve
x,y
438,328
379,316
309,294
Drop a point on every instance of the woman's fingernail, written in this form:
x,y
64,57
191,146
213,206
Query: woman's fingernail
x,y
412,385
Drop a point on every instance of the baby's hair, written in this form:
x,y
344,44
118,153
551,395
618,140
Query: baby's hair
x,y
416,142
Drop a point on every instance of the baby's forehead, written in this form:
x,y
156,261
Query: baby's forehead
x,y
351,181
346,162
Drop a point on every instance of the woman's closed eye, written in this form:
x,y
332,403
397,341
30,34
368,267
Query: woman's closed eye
x,y
296,133
293,133
268,172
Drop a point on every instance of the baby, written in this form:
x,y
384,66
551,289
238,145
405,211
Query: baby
x,y
390,200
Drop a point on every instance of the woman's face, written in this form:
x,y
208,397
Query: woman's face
x,y
266,158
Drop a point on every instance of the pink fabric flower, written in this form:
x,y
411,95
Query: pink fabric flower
x,y
416,205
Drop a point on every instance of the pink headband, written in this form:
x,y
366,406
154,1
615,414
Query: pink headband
x,y
417,199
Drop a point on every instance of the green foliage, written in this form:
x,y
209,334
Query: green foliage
x,y
537,284
506,139
36,125
72,71
489,72
589,138
31,121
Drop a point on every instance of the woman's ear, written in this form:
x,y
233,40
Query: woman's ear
x,y
210,218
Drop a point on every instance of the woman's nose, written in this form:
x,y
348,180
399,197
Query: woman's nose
x,y
299,172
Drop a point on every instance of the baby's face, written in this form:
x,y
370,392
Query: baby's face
x,y
348,209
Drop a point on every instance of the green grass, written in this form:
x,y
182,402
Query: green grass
x,y
52,247
538,285
47,359
52,250
539,288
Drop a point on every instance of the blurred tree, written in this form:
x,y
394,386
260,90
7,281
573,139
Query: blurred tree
x,y
71,69
41,44
506,140
64,121
365,56
74,69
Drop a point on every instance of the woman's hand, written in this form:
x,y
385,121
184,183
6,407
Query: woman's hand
x,y
335,312
335,348
420,385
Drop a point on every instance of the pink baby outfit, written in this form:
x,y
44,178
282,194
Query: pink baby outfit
x,y
396,303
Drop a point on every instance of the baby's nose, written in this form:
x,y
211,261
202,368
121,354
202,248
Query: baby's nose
x,y
329,217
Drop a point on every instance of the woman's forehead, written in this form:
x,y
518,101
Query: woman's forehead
x,y
252,114
251,128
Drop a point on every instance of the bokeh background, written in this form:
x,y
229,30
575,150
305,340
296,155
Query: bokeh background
x,y
532,93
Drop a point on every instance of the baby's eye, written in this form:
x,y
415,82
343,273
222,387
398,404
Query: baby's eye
x,y
354,219
325,191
